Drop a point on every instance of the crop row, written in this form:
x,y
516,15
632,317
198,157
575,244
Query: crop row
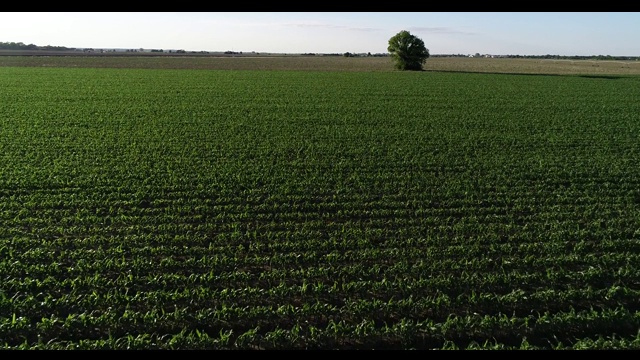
x,y
273,209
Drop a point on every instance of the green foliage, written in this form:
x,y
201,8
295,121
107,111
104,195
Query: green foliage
x,y
407,51
22,46
17,46
186,209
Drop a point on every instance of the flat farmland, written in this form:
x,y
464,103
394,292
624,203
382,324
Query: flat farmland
x,y
181,205
327,63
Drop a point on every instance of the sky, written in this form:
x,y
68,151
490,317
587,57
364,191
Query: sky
x,y
498,33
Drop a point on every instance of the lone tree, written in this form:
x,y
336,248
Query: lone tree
x,y
407,51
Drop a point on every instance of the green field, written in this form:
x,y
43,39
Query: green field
x,y
290,209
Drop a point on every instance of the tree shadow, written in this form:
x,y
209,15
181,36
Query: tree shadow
x,y
609,77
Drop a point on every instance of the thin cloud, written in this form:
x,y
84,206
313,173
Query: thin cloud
x,y
306,24
330,26
440,30
317,25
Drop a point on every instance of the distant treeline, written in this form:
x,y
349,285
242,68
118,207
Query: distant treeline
x,y
558,57
23,46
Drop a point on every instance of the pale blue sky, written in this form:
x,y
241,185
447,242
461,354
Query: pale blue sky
x,y
522,33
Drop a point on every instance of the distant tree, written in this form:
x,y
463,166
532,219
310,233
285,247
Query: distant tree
x,y
407,51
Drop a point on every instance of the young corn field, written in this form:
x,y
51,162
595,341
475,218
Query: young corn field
x,y
283,209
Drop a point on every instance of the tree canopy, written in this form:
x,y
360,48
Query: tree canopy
x,y
407,51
